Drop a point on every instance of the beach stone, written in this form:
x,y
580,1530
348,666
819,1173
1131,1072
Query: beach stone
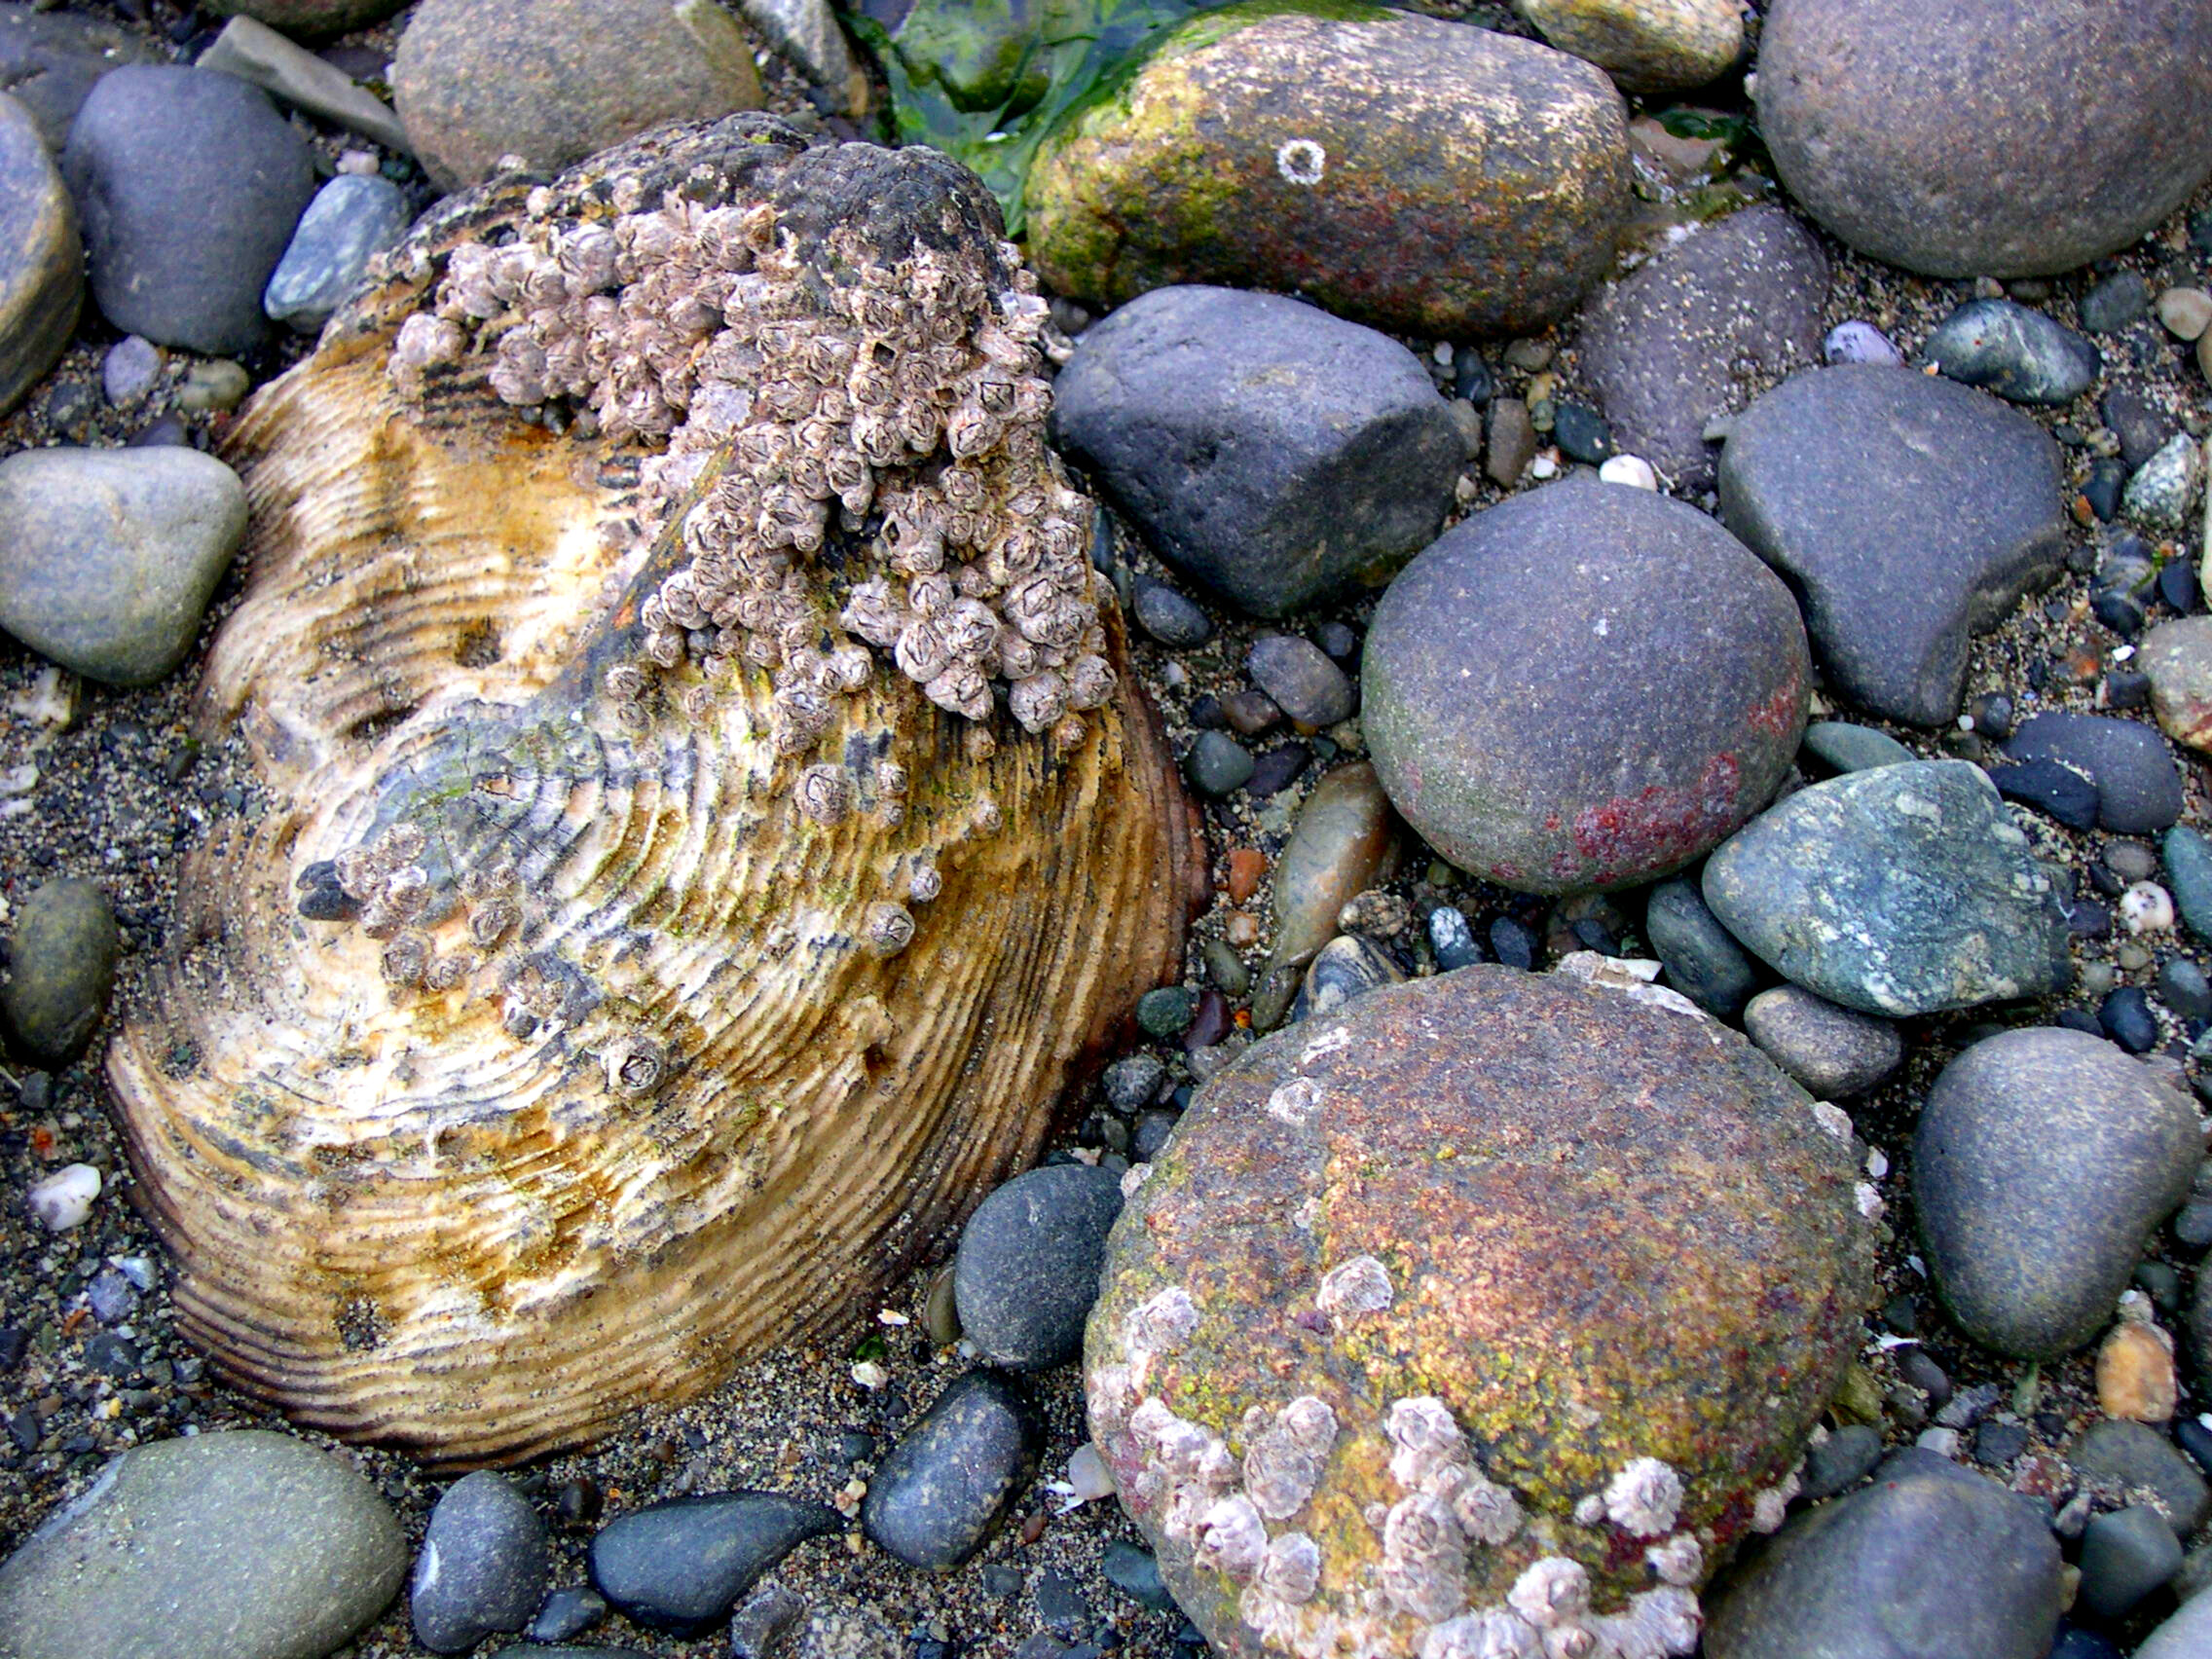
x,y
240,1544
483,1568
313,19
807,33
554,81
2021,354
567,1612
1859,341
1268,450
1646,46
1702,959
1341,835
2138,785
2042,1161
1987,138
1875,1575
1348,965
1841,1461
682,1564
2186,1635
253,52
112,554
2141,426
1218,764
351,218
1836,1052
1847,747
935,1499
2121,1455
2188,858
2177,655
1907,512
1897,892
2120,299
188,185
1511,671
49,60
130,371
2050,788
42,262
2185,312
1686,337
1464,1280
1170,619
1299,676
1251,150
1028,1268
2165,487
61,954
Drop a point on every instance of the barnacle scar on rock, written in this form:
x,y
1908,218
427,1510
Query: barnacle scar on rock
x,y
706,818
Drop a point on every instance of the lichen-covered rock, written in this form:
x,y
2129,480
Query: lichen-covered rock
x,y
1491,1308
1482,193
1646,46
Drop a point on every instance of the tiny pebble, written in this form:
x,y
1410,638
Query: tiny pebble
x,y
65,1199
1630,469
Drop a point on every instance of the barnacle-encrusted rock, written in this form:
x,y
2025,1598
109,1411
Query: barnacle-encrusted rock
x,y
634,963
1478,1321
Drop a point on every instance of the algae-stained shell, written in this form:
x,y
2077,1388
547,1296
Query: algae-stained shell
x,y
668,1063
1491,1281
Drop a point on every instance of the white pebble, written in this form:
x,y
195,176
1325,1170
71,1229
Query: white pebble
x,y
869,1375
2147,907
1943,1442
66,1198
1545,465
1630,469
360,163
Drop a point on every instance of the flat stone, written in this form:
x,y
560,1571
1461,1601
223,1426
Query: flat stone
x,y
484,1565
42,262
2021,354
49,60
1343,834
1027,1267
1646,46
1299,676
1898,892
1841,1461
807,33
1836,1052
1702,959
1686,337
2141,426
61,954
2122,1457
682,1564
113,555
1511,671
188,184
1876,1575
935,1499
351,219
1251,150
2119,300
1987,138
554,81
1909,513
1847,747
1267,449
256,53
242,1543
2138,785
2042,1161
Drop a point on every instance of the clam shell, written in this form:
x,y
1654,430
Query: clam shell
x,y
732,1058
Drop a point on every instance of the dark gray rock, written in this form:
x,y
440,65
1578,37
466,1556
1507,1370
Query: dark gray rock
x,y
2125,1554
1512,675
1702,959
1170,619
767,1626
1909,513
351,218
681,1565
244,1543
1895,892
1835,1052
2121,1456
2021,354
2120,299
112,554
2048,787
1028,1270
1685,338
2042,1161
2188,1634
1840,1461
1843,747
49,60
483,1568
2188,857
188,186
1876,1575
61,956
42,263
565,1613
1136,1572
1987,138
1267,449
936,1497
2141,426
1299,676
2138,784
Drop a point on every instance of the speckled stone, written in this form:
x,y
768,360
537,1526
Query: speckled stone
x,y
1646,46
1835,1052
1461,1188
2016,353
935,1499
61,953
1027,1267
2042,1159
682,1564
1898,892
2188,1634
1254,153
2177,655
1987,138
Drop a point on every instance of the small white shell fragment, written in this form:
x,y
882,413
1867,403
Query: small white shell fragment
x,y
869,1375
2147,907
1833,1118
891,1316
65,1199
1088,1477
1632,470
1871,1205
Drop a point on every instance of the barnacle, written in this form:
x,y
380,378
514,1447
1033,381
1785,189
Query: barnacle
x,y
633,967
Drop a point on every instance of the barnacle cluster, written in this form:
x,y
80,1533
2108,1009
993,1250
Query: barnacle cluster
x,y
851,445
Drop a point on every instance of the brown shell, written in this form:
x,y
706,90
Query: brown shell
x,y
742,1106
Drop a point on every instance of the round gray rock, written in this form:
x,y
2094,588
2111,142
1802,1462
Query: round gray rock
x,y
484,1565
2042,1161
1987,138
61,956
112,554
1877,1575
1267,449
242,1544
1584,687
1835,1052
1898,892
554,81
933,1499
42,262
1028,1270
188,184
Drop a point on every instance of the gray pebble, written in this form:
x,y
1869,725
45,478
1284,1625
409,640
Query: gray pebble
x,y
351,219
2125,1554
483,1568
1702,959
1170,619
1304,682
1834,1053
61,955
1028,1268
2018,354
680,1564
131,370
2120,299
1840,1461
1847,747
1133,1082
933,1499
1218,764
42,262
2120,1455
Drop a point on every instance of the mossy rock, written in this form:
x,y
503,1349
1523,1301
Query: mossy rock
x,y
1418,176
1498,1302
